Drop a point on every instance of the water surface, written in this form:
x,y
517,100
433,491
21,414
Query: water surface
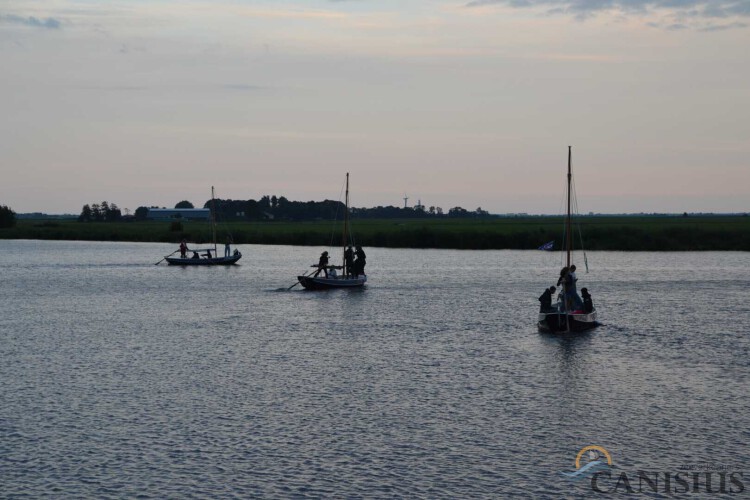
x,y
121,378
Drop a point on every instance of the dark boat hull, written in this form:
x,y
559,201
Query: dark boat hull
x,y
215,261
562,322
312,283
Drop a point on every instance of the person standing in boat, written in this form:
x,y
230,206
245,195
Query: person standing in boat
x,y
349,261
227,250
183,249
359,264
322,265
570,287
546,300
564,282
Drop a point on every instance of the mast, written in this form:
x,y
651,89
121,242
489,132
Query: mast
x,y
346,224
568,233
213,219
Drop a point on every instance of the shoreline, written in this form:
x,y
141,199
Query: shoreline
x,y
646,233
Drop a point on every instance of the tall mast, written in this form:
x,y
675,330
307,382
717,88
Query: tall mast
x,y
213,218
568,238
346,222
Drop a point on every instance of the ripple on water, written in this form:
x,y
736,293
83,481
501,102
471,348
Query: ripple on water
x,y
124,379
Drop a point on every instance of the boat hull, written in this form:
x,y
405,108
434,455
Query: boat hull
x,y
215,261
318,283
562,322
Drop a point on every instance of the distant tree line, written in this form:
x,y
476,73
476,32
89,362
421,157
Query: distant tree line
x,y
273,207
7,216
280,208
100,212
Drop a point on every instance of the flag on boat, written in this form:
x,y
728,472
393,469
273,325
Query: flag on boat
x,y
547,246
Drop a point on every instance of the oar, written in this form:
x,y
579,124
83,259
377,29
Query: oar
x,y
166,257
297,283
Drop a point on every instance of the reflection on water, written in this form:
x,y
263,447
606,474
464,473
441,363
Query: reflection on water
x,y
121,377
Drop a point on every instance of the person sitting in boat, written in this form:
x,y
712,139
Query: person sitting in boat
x,y
588,304
208,254
546,300
196,256
359,264
322,265
183,249
349,261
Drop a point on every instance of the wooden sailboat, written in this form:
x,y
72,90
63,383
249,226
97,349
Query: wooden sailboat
x,y
206,259
312,282
565,317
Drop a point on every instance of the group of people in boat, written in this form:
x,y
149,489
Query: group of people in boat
x,y
227,250
568,299
354,263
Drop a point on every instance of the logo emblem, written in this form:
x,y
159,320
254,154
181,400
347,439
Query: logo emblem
x,y
589,460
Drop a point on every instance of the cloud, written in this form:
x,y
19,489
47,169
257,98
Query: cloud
x,y
677,13
34,22
724,27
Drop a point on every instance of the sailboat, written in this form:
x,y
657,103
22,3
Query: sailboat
x,y
207,258
312,282
563,317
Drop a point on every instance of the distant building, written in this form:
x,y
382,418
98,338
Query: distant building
x,y
179,213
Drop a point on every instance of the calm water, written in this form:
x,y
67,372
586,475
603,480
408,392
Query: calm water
x,y
121,378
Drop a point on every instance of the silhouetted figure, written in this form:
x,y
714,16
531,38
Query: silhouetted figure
x,y
322,265
563,275
546,300
208,254
183,249
196,256
588,304
570,288
359,264
349,261
227,250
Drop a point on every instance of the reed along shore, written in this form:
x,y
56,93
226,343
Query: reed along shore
x,y
627,233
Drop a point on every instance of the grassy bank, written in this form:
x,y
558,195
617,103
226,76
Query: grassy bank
x,y
599,233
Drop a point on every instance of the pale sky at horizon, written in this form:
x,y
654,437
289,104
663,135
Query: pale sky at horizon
x,y
469,103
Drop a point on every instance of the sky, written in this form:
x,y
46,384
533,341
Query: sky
x,y
454,103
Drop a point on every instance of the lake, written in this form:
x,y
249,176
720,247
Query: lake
x,y
121,378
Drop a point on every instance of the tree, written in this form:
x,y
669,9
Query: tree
x,y
141,213
113,214
96,212
274,201
457,212
85,214
184,204
7,216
